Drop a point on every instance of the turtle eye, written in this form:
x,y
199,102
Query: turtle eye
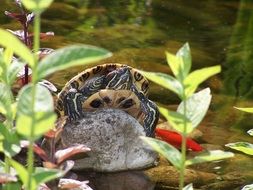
x,y
96,103
128,103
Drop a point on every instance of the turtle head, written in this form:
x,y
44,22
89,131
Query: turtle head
x,y
118,79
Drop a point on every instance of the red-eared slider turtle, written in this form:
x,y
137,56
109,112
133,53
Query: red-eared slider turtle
x,y
108,86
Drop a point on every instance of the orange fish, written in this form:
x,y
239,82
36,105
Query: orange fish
x,y
175,139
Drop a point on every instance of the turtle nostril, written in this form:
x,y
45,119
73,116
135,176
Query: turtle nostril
x,y
96,103
120,99
128,103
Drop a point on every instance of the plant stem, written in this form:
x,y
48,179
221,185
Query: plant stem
x,y
183,147
34,80
25,27
9,125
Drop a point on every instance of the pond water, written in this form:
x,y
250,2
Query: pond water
x,y
138,32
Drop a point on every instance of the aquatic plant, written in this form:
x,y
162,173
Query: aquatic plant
x,y
189,113
31,114
25,18
244,147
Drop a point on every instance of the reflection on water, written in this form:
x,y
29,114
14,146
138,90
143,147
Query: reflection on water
x,y
138,32
239,62
132,180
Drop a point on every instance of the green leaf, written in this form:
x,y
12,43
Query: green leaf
x,y
194,79
13,70
165,81
185,53
21,170
245,147
210,156
176,120
180,63
16,185
8,40
35,5
196,106
11,148
5,98
176,64
43,175
8,54
2,67
44,121
43,100
9,141
44,116
250,132
165,149
188,187
69,57
248,110
248,187
4,132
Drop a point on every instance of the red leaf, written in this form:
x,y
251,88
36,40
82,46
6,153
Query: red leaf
x,y
50,134
67,166
23,18
17,16
175,139
39,151
72,184
43,187
62,155
56,132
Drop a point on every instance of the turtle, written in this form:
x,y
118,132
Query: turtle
x,y
109,86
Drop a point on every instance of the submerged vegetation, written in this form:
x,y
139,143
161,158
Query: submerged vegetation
x,y
28,115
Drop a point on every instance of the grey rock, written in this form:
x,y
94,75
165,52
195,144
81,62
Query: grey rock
x,y
112,136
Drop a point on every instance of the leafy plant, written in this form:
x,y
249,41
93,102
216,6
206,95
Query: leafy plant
x,y
248,187
25,18
32,115
244,147
189,113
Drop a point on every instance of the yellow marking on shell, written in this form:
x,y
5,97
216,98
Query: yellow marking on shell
x,y
139,83
78,77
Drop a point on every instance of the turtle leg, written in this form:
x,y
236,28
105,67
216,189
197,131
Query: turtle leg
x,y
73,104
151,116
150,112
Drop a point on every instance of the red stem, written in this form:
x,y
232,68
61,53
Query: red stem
x,y
25,26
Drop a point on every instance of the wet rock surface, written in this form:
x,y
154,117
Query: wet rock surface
x,y
166,177
112,136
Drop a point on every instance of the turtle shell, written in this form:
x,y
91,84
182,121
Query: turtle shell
x,y
109,86
94,75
